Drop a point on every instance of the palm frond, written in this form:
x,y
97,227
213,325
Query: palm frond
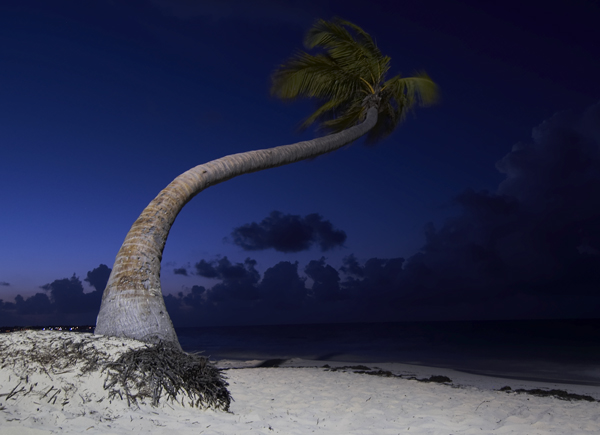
x,y
391,113
318,76
399,96
339,42
357,52
348,118
325,111
419,89
364,38
347,75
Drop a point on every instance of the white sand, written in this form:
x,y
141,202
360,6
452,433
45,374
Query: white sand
x,y
300,400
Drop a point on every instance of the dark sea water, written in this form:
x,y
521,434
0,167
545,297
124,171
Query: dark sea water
x,y
546,350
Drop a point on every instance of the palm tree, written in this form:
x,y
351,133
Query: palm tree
x,y
348,77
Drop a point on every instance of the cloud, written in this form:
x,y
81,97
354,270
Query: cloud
x,y
4,284
67,296
282,287
181,271
376,280
238,280
36,304
326,280
206,269
531,248
351,266
283,296
98,278
559,166
195,297
63,302
288,233
7,306
242,297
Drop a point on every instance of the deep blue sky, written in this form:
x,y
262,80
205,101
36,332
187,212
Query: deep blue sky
x,y
103,103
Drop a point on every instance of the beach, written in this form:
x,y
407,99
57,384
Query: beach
x,y
294,396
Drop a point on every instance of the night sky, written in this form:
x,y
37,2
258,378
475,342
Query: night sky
x,y
485,206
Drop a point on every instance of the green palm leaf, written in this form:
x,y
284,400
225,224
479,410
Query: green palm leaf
x,y
352,52
347,76
313,76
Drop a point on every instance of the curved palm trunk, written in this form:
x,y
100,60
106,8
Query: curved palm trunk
x,y
132,303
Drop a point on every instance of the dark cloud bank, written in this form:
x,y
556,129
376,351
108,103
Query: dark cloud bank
x,y
63,302
288,233
529,250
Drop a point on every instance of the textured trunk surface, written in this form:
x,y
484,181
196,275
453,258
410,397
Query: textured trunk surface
x,y
132,303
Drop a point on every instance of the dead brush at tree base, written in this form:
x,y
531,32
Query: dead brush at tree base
x,y
161,370
134,371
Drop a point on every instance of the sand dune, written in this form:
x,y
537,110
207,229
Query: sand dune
x,y
299,397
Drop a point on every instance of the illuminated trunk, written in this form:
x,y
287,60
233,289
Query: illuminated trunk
x,y
132,303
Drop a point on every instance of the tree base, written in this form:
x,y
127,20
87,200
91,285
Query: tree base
x,y
161,370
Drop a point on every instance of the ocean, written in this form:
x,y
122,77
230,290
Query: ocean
x,y
566,351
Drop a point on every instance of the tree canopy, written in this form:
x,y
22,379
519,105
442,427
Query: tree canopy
x,y
347,75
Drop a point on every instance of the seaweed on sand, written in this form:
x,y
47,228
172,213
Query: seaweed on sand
x,y
559,394
162,369
54,355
